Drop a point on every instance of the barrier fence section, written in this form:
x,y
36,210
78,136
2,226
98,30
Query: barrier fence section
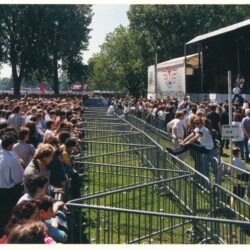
x,y
232,183
136,192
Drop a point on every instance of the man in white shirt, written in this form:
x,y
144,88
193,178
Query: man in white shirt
x,y
236,92
11,177
111,110
176,127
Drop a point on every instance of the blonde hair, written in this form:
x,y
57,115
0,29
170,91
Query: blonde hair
x,y
43,150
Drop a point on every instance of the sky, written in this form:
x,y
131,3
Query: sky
x,y
105,19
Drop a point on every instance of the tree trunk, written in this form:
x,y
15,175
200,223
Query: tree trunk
x,y
55,75
16,79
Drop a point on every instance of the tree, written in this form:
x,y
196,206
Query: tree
x,y
165,28
68,29
119,65
35,38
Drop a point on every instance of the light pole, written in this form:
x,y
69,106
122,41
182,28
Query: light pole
x,y
156,74
156,62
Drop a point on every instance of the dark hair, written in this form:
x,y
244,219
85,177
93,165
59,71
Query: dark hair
x,y
194,109
34,118
52,112
62,113
48,124
236,150
24,210
70,142
63,136
32,128
213,107
34,181
30,232
24,131
16,109
73,121
45,203
3,125
7,140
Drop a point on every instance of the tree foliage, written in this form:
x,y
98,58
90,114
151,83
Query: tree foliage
x,y
166,28
119,65
161,29
34,38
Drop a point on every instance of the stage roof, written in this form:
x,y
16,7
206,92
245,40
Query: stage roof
x,y
190,60
220,31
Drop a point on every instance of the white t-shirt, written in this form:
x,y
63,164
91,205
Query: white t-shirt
x,y
236,90
160,114
126,110
111,110
176,124
205,138
154,112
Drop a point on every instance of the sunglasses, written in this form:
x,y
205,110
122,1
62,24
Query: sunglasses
x,y
196,123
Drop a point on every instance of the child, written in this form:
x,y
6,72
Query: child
x,y
47,210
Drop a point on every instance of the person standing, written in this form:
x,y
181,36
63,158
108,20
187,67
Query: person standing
x,y
176,126
22,149
238,142
236,92
16,120
11,177
215,120
246,131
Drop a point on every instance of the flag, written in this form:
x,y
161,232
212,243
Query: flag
x,y
42,88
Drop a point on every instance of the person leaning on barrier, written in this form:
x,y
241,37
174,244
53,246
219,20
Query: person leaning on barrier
x,y
111,110
54,219
241,178
246,131
200,140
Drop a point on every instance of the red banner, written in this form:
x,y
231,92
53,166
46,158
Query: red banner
x,y
42,88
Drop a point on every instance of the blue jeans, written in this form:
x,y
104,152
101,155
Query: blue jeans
x,y
245,141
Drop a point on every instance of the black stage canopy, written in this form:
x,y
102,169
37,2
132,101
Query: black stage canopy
x,y
221,50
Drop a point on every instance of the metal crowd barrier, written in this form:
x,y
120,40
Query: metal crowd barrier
x,y
122,220
136,192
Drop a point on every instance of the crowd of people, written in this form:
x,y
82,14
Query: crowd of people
x,y
38,138
196,125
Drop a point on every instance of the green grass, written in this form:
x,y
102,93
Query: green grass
x,y
123,227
